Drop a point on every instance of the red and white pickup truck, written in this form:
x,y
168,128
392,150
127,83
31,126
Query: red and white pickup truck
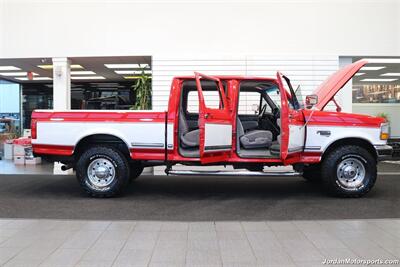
x,y
204,125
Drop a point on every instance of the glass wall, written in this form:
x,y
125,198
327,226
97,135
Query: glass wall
x,y
107,95
35,96
376,91
10,109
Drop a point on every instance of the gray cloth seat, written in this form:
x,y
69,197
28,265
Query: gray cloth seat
x,y
189,139
275,148
255,138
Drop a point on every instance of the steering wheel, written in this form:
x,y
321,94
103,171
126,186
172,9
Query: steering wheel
x,y
262,111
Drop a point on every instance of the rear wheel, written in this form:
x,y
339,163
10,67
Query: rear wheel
x,y
102,171
349,171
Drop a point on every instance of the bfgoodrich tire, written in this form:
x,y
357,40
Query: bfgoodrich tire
x,y
349,171
103,171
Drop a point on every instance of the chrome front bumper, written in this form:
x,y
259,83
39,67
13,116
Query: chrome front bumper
x,y
384,152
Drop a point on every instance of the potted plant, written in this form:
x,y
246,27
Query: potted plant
x,y
142,89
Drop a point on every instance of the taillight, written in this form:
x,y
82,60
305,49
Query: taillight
x,y
33,128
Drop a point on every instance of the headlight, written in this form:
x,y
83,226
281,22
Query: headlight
x,y
384,131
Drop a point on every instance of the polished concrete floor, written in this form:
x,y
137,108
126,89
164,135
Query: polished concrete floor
x,y
224,243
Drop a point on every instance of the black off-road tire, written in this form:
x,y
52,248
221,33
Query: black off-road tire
x,y
135,171
121,168
312,173
330,168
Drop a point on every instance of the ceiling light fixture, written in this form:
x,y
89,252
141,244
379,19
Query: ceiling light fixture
x,y
88,78
359,74
50,67
105,83
378,80
127,66
132,72
19,73
383,60
82,72
133,77
373,68
9,68
391,74
34,79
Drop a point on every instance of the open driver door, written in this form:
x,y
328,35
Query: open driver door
x,y
215,124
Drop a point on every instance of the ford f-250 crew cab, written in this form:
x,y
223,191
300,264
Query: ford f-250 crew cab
x,y
204,125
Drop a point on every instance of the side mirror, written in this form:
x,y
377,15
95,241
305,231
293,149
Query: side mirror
x,y
311,100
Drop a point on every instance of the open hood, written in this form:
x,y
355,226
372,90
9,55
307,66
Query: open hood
x,y
328,89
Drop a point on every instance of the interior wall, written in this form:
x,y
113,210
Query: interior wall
x,y
306,71
42,28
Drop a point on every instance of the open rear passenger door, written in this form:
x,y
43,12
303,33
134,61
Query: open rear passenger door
x,y
215,123
292,125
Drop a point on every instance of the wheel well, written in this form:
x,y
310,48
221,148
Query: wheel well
x,y
351,141
104,139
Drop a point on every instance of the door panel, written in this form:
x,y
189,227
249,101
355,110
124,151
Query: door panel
x,y
215,125
292,126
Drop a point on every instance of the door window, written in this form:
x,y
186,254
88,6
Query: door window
x,y
211,94
249,103
193,102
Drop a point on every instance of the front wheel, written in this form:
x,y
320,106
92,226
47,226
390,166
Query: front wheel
x,y
349,171
103,171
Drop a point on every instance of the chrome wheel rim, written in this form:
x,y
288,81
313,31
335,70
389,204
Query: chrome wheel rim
x,y
351,173
101,172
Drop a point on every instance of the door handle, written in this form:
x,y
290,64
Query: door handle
x,y
324,133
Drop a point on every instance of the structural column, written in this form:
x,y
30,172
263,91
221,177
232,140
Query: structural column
x,y
61,83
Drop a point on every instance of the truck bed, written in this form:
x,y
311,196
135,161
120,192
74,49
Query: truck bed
x,y
59,132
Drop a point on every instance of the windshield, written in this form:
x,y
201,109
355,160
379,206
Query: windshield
x,y
273,94
293,101
299,96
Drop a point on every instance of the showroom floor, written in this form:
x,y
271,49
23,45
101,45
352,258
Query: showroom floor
x,y
196,221
223,243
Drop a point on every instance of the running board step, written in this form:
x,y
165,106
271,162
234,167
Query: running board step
x,y
232,173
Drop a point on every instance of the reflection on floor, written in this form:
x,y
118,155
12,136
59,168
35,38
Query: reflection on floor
x,y
8,167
